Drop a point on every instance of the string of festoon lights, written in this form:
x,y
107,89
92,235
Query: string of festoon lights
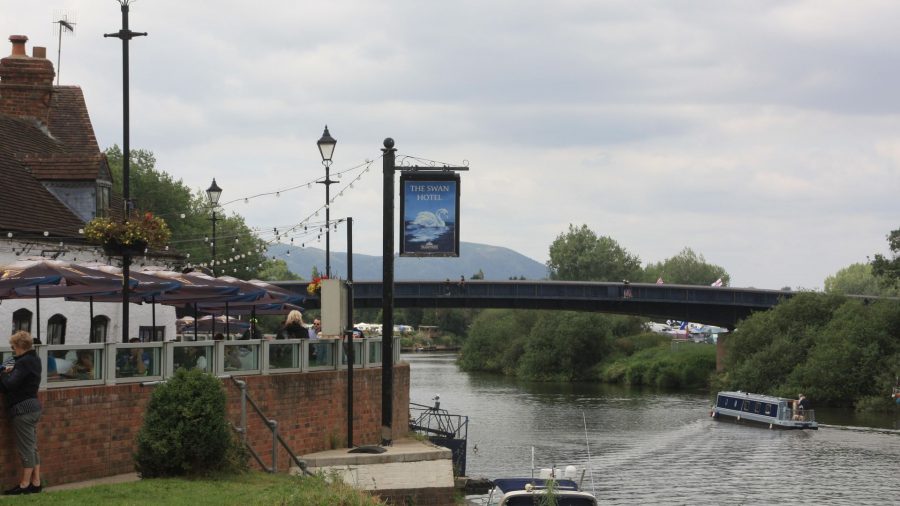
x,y
300,232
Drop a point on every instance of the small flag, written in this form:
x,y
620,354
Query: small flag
x,y
659,280
718,282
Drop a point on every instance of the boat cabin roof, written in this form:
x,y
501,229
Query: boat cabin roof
x,y
751,396
512,484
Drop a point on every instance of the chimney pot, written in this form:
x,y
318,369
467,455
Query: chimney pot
x,y
18,44
39,52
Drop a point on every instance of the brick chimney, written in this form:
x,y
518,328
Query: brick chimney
x,y
26,82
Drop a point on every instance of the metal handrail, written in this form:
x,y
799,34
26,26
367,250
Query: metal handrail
x,y
272,425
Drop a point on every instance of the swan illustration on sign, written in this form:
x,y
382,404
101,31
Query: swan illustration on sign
x,y
430,219
428,226
429,212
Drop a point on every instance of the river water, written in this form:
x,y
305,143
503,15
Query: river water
x,y
655,447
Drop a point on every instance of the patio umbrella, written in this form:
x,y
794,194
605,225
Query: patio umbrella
x,y
191,289
147,288
274,300
195,287
247,294
54,278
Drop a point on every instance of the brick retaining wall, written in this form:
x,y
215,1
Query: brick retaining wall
x,y
90,432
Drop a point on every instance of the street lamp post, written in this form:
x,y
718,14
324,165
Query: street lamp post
x,y
213,193
125,34
326,148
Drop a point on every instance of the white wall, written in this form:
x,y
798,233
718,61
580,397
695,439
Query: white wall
x,y
78,322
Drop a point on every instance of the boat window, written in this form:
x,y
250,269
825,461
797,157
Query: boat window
x,y
747,405
756,408
768,409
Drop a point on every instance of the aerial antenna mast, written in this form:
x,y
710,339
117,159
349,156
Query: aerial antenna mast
x,y
63,22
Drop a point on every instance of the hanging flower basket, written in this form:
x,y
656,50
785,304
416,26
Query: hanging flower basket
x,y
132,237
315,287
116,249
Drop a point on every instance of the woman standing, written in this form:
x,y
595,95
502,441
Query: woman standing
x,y
293,327
20,382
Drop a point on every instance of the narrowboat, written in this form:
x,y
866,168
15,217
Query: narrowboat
x,y
774,412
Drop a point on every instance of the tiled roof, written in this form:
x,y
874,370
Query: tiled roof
x,y
65,167
69,120
65,149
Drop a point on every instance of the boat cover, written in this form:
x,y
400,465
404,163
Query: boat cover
x,y
511,484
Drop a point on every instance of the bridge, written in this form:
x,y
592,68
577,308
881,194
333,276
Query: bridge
x,y
721,306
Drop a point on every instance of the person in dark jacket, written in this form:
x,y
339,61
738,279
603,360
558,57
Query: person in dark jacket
x,y
293,327
20,382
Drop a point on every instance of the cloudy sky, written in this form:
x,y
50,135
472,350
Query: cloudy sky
x,y
765,135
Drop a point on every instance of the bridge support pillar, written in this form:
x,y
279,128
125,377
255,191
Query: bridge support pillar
x,y
720,350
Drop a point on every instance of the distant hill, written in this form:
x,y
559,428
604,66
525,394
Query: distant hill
x,y
496,262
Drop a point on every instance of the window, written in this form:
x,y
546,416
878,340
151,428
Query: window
x,y
146,333
99,328
102,201
56,329
21,320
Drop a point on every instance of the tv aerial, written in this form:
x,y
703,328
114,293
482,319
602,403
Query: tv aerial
x,y
63,23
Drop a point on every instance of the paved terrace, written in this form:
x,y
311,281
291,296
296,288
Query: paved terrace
x,y
723,306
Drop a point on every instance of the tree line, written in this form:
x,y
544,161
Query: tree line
x,y
840,350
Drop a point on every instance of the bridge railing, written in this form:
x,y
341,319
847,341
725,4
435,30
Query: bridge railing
x,y
574,290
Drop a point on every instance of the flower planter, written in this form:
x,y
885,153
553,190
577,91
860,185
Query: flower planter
x,y
115,249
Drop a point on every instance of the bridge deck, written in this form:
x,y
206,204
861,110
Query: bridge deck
x,y
723,306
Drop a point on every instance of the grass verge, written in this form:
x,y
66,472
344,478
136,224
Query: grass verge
x,y
255,488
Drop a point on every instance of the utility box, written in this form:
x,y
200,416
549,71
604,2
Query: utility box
x,y
334,307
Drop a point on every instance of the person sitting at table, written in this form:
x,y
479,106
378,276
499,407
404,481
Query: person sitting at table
x,y
315,329
232,358
131,362
83,368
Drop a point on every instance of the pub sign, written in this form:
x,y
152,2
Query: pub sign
x,y
429,214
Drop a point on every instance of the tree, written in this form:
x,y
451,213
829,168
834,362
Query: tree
x,y
837,350
497,340
565,345
580,255
188,215
889,270
277,270
685,268
859,279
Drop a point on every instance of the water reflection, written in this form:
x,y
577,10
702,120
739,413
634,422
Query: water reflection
x,y
658,447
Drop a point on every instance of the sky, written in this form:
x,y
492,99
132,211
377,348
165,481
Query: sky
x,y
764,135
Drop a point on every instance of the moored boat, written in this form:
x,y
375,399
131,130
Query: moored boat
x,y
774,412
544,490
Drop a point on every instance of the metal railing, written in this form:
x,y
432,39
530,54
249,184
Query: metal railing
x,y
76,365
272,425
800,415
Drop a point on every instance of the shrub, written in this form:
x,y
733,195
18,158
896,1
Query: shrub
x,y
660,366
185,430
